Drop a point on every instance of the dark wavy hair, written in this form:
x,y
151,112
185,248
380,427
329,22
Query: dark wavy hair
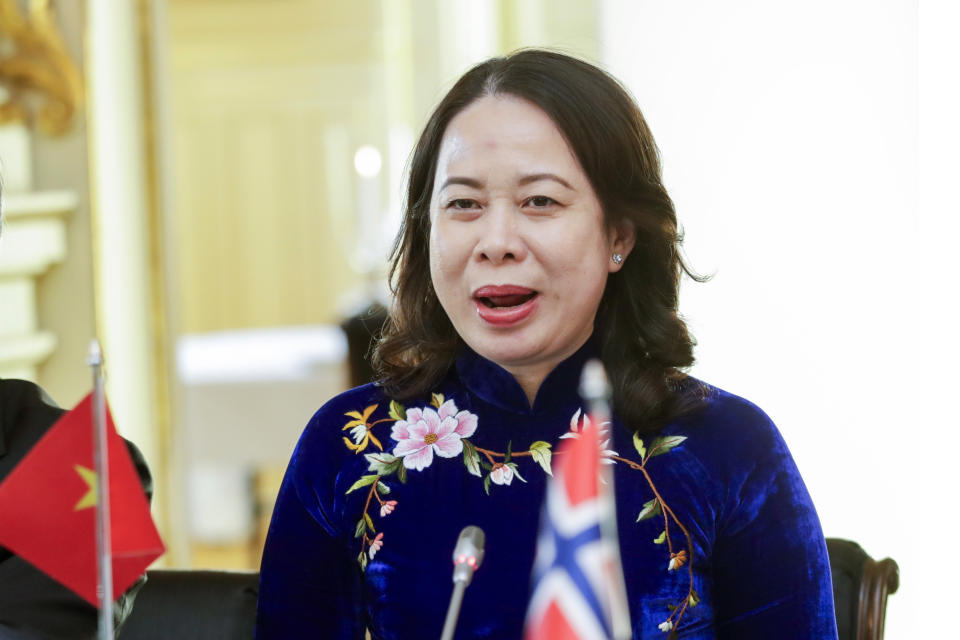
x,y
644,343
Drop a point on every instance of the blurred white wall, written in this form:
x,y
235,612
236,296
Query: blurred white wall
x,y
790,145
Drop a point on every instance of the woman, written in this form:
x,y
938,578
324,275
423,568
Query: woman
x,y
538,234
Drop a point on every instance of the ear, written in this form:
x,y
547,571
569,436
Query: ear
x,y
623,235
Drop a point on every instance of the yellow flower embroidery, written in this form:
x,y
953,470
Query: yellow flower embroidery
x,y
360,430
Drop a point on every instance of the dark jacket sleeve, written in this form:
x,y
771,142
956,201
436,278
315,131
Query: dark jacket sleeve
x,y
310,585
771,568
31,603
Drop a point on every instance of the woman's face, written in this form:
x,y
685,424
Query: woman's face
x,y
519,254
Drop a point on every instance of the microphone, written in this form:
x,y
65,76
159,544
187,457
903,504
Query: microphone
x,y
467,557
468,554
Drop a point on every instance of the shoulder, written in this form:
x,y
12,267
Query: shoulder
x,y
26,412
741,450
340,429
732,442
20,397
354,399
730,421
360,403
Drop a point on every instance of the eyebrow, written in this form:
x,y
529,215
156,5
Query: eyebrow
x,y
469,182
525,180
537,177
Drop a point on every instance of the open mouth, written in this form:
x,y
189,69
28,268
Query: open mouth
x,y
505,305
503,296
496,302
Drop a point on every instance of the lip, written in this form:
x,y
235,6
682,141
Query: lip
x,y
491,290
504,316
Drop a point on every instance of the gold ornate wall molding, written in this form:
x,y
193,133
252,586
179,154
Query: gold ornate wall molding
x,y
43,85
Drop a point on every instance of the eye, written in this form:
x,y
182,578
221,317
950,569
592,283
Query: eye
x,y
541,202
463,204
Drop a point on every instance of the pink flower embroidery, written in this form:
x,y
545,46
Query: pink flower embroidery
x,y
466,421
425,432
387,508
501,474
375,545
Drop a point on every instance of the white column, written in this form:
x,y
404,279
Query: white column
x,y
468,35
120,219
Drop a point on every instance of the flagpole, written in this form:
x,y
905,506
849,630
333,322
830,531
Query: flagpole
x,y
595,390
101,468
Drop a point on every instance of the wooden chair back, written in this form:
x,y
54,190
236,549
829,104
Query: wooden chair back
x,y
861,586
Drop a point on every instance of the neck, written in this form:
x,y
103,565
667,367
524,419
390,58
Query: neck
x,y
530,379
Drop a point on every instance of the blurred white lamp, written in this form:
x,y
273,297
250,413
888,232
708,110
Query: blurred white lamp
x,y
367,161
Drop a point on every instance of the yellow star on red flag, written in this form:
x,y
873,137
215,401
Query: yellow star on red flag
x,y
90,497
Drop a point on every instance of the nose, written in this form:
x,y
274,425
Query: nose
x,y
501,239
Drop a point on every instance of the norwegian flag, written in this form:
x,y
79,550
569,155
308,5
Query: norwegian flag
x,y
578,590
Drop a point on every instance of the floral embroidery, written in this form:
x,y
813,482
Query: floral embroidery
x,y
502,473
360,430
425,432
375,545
441,429
677,560
657,506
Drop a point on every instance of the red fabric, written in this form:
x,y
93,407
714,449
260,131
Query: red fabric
x,y
581,465
553,626
40,523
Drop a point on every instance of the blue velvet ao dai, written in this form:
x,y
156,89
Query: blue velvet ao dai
x,y
760,565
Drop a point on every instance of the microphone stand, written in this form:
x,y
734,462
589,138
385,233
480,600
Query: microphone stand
x,y
467,557
453,611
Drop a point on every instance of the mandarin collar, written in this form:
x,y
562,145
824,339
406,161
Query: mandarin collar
x,y
495,385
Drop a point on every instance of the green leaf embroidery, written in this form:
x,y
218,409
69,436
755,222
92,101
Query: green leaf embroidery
x,y
661,538
382,463
382,488
486,484
638,443
361,528
369,521
694,598
650,509
397,411
471,459
402,473
362,559
509,451
436,399
662,445
362,482
541,453
516,471
486,465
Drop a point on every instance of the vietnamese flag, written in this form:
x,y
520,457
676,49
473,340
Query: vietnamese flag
x,y
48,508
